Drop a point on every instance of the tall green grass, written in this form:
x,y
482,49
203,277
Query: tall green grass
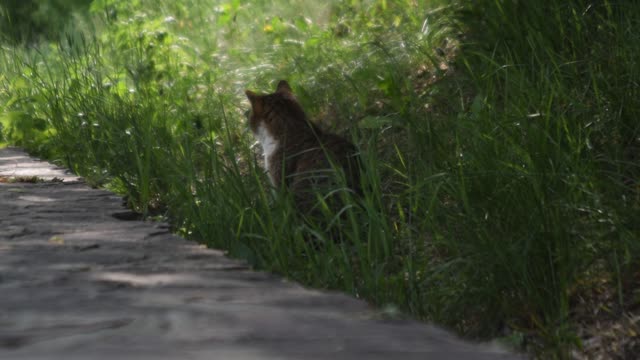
x,y
499,143
553,141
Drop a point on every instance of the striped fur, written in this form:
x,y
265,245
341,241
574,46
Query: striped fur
x,y
298,154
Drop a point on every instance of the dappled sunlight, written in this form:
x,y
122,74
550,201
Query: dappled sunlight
x,y
106,233
150,280
14,165
498,142
36,198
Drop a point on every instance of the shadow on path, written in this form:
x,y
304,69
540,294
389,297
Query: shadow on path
x,y
78,283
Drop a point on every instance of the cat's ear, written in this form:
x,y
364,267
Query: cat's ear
x,y
251,95
283,87
255,100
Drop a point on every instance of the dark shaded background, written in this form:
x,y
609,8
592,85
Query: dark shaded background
x,y
28,21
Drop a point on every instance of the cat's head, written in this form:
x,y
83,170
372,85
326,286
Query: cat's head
x,y
277,111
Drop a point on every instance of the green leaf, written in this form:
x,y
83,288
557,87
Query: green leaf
x,y
477,104
375,122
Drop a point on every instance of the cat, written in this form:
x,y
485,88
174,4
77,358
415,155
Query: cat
x,y
298,155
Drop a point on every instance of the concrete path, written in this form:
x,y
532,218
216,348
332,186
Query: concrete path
x,y
76,282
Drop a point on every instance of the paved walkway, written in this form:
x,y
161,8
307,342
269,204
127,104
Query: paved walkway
x,y
76,282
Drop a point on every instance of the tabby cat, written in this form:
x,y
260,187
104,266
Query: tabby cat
x,y
297,154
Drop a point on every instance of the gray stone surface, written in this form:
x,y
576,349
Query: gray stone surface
x,y
78,283
15,163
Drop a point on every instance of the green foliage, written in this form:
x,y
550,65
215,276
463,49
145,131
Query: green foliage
x,y
547,179
499,142
27,21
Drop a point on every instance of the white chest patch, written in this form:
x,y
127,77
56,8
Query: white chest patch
x,y
269,145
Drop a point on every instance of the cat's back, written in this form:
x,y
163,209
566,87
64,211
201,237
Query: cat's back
x,y
309,155
324,157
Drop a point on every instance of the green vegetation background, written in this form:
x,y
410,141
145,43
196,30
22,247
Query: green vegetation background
x,y
500,141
